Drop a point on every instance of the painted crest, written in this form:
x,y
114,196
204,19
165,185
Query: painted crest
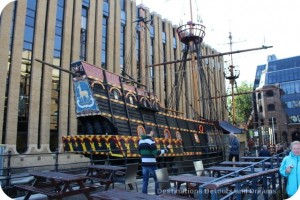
x,y
85,103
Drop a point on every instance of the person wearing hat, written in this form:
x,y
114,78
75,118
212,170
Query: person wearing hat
x,y
148,151
234,147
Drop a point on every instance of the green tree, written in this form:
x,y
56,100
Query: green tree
x,y
243,103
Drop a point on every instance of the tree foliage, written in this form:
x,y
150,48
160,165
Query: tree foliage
x,y
243,103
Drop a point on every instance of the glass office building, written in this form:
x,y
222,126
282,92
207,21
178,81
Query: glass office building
x,y
286,73
283,74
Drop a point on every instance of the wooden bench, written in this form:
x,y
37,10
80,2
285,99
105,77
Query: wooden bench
x,y
32,189
102,181
51,193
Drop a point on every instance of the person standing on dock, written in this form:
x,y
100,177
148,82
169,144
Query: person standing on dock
x,y
148,151
234,147
290,168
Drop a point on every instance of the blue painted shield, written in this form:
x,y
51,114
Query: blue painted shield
x,y
85,102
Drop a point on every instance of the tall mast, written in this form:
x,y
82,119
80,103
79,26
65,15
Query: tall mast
x,y
232,76
191,35
191,11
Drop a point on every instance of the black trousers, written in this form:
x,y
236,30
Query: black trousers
x,y
231,156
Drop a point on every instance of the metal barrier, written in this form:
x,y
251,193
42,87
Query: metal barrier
x,y
11,175
268,183
16,174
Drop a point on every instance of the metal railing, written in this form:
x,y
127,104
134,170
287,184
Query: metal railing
x,y
268,183
15,172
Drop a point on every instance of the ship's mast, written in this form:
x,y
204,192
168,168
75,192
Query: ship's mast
x,y
191,35
232,76
191,10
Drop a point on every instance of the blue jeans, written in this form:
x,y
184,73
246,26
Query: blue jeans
x,y
147,172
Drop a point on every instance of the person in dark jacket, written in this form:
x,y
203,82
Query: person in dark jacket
x,y
234,147
264,152
279,149
290,168
148,151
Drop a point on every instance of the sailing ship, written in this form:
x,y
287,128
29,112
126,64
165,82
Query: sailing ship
x,y
114,110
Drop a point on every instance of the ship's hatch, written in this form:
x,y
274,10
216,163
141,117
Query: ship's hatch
x,y
228,127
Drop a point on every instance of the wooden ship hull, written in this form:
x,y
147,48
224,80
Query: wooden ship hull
x,y
114,113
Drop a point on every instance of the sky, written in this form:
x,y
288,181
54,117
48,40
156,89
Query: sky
x,y
252,23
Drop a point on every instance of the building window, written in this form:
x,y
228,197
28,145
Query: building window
x,y
104,42
86,3
262,123
259,96
137,47
294,119
29,25
58,28
292,104
272,121
106,8
122,3
271,107
53,143
174,39
151,69
122,48
165,77
83,32
54,110
270,93
23,110
163,35
260,108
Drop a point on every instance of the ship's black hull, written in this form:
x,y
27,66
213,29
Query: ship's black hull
x,y
114,114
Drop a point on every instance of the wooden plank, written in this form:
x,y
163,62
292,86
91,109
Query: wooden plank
x,y
33,189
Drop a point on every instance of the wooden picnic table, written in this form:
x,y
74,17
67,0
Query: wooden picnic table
x,y
117,194
57,185
274,160
104,173
236,163
254,158
219,169
241,163
190,179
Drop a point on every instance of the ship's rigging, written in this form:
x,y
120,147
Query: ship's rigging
x,y
191,35
202,105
